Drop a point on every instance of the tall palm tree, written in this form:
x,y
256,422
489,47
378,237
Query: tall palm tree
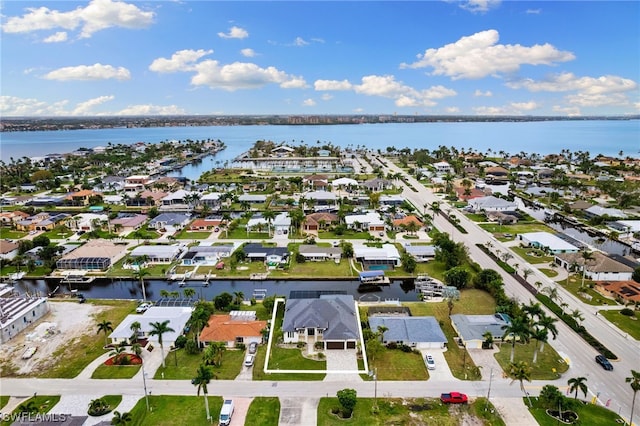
x,y
518,329
552,293
577,384
238,297
202,379
520,371
158,329
586,257
105,327
135,329
121,418
634,382
381,330
189,293
540,335
547,323
139,274
269,215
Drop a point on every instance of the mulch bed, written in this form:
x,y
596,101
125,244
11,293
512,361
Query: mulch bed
x,y
133,359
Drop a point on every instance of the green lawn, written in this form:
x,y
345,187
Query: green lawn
x,y
263,411
316,269
43,404
72,358
187,365
393,364
549,272
175,410
518,228
472,302
115,371
3,400
532,255
112,400
625,323
193,235
11,233
476,217
349,235
408,411
543,369
595,414
592,297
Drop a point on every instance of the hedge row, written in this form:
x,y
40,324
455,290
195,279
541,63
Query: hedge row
x,y
503,265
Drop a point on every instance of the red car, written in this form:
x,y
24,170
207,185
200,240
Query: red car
x,y
454,398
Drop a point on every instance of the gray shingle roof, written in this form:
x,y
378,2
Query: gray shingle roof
x,y
409,329
334,313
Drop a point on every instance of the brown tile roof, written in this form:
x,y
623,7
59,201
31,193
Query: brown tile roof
x,y
599,263
7,246
83,193
407,220
222,329
628,290
315,218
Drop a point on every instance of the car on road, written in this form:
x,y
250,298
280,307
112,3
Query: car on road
x,y
604,362
142,308
249,359
454,398
431,363
253,347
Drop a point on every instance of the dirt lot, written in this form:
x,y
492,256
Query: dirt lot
x,y
64,322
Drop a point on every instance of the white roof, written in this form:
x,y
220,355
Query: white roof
x,y
546,239
601,211
156,251
177,316
491,202
387,251
320,195
254,221
371,218
282,219
211,196
344,182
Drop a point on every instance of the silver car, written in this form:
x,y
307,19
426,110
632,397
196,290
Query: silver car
x,y
431,363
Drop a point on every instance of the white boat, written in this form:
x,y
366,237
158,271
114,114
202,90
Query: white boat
x,y
29,352
17,276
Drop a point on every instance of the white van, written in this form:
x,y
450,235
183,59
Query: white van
x,y
226,412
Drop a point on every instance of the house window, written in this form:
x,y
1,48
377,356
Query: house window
x,y
290,334
239,339
320,331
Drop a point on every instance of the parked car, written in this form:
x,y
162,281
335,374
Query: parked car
x,y
142,308
431,363
248,361
454,398
604,362
253,347
226,412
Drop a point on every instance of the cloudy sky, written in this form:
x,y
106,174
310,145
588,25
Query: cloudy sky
x,y
476,57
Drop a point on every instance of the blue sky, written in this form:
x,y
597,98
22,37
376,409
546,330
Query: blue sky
x,y
479,57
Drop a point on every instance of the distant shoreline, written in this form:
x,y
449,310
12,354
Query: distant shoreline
x,y
36,124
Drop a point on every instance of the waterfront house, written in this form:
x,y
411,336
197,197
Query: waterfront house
x,y
417,332
322,200
377,184
94,255
314,253
12,217
207,254
600,268
370,221
502,218
86,221
472,328
208,223
156,254
81,198
19,312
109,183
237,327
177,316
599,211
282,224
377,258
391,200
547,242
212,200
46,200
128,222
443,168
624,291
491,203
421,253
344,183
330,319
147,198
271,255
42,221
252,198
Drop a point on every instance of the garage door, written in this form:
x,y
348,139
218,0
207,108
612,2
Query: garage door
x,y
335,345
351,345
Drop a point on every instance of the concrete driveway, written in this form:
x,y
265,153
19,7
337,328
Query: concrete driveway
x,y
240,408
442,371
298,411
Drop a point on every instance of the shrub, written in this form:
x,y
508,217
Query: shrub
x,y
406,348
181,341
191,347
392,345
241,346
628,312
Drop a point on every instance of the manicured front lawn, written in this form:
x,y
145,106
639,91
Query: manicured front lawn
x,y
115,371
532,255
549,272
593,415
316,269
73,357
263,411
185,234
543,369
3,400
628,324
7,233
292,359
42,404
586,294
187,365
175,410
349,235
394,364
518,228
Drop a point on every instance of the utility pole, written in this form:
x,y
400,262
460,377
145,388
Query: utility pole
x,y
144,384
489,391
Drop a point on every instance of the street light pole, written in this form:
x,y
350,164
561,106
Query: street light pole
x,y
144,384
375,387
489,391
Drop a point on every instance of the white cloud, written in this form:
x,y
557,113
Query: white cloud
x,y
17,107
309,102
97,15
514,108
234,32
332,85
241,75
89,72
479,55
299,41
182,60
58,37
248,53
148,109
479,93
85,108
452,110
326,97
568,111
479,6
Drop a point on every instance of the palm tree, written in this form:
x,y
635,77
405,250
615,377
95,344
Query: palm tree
x,y
135,329
586,257
541,335
634,382
106,327
239,297
381,330
552,293
520,371
269,215
139,274
577,384
188,293
577,316
202,379
518,329
121,418
547,323
158,329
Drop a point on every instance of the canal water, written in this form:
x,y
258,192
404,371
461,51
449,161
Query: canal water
x,y
130,289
